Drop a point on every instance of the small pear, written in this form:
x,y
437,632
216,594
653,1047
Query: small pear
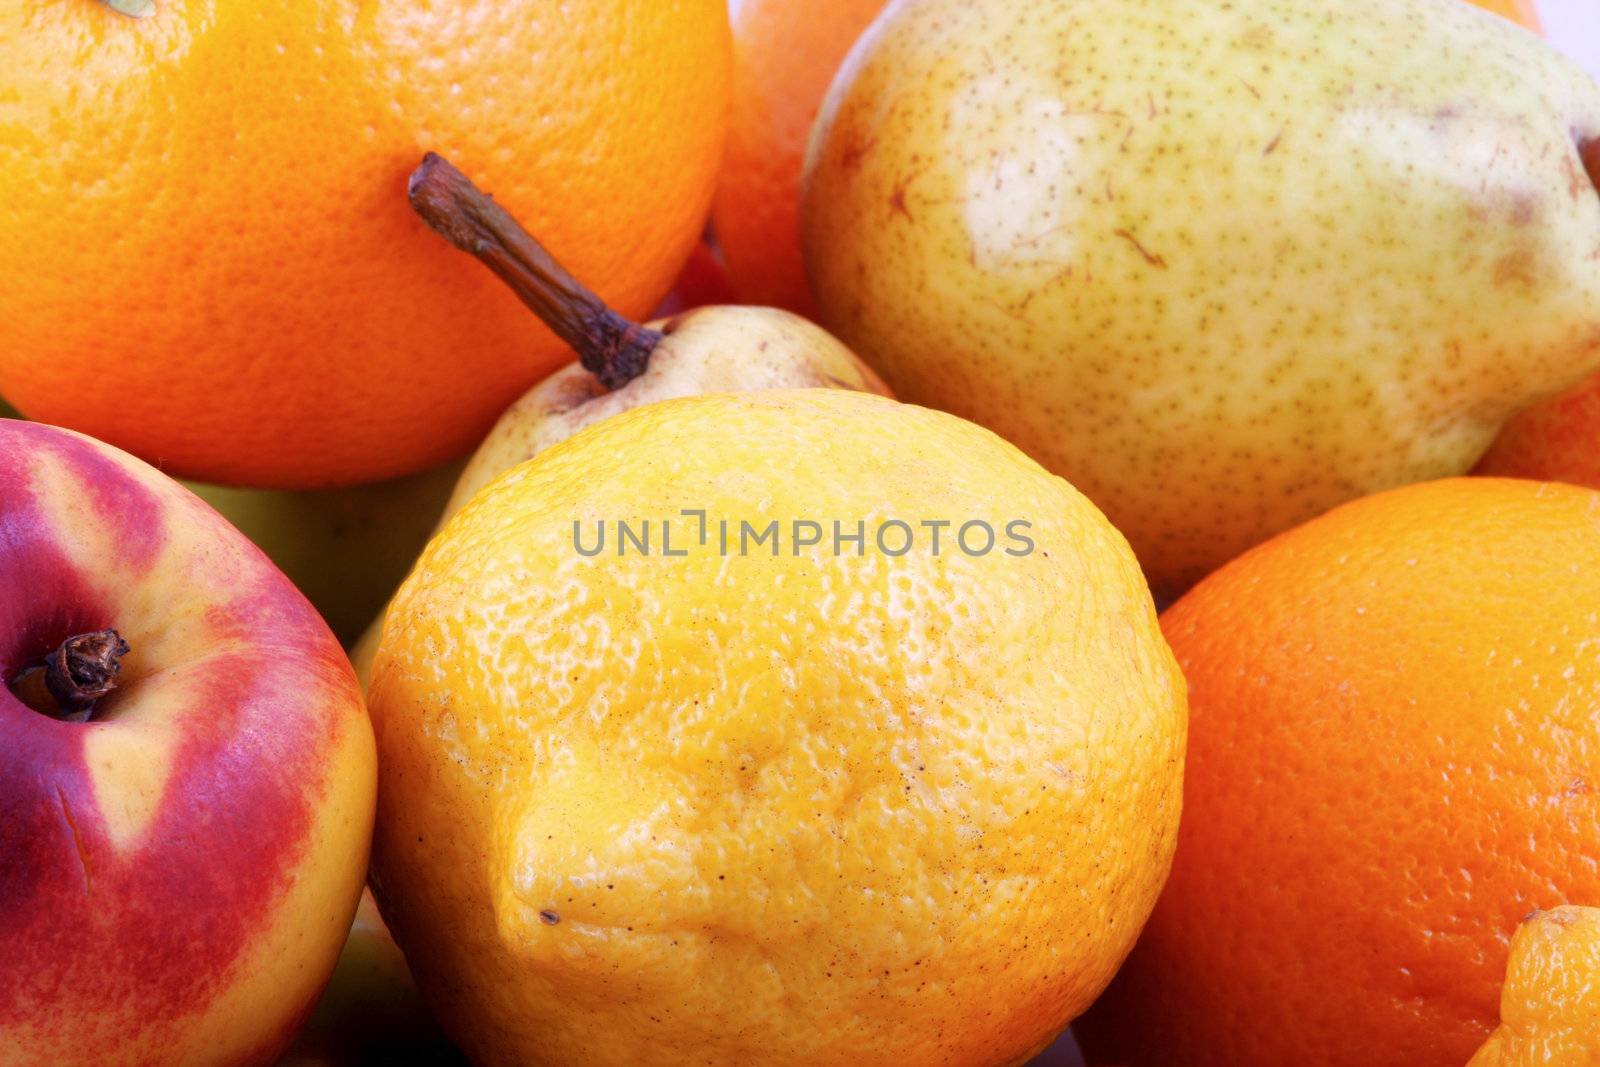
x,y
345,549
621,364
1220,265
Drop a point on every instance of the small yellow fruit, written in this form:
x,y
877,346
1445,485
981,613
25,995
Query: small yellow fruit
x,y
1550,1007
784,805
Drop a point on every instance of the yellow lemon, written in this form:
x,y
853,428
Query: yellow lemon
x,y
1550,1006
698,747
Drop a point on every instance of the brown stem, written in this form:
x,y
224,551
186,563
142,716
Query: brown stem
x,y
1589,153
68,682
610,347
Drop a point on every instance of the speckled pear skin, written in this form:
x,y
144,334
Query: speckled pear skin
x,y
724,348
1221,265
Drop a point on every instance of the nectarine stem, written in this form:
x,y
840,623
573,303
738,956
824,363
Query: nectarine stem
x,y
609,346
66,684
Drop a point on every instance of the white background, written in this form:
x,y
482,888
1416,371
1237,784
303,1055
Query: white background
x,y
1574,27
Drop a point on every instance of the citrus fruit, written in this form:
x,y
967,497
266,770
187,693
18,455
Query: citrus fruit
x,y
1556,440
1550,1007
703,280
785,54
782,803
209,256
1394,757
1519,11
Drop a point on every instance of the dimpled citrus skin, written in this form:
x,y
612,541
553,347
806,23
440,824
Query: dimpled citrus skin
x,y
785,54
1550,1008
208,254
813,810
1394,757
1220,265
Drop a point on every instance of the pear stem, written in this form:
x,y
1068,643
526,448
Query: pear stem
x,y
68,682
612,348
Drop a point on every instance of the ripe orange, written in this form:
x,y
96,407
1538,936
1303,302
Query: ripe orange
x,y
1558,440
207,251
1521,11
1394,757
785,55
702,282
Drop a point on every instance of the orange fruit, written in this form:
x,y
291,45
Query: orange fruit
x,y
1550,1007
785,55
1520,11
208,254
1557,440
702,282
1394,757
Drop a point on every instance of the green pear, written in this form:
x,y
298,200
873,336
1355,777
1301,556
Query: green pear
x,y
346,549
1222,265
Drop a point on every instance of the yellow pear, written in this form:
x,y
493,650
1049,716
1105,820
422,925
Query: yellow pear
x,y
1221,265
721,349
621,364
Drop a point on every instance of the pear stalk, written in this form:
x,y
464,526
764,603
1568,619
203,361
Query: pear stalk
x,y
612,348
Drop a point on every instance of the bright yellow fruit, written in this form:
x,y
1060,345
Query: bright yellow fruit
x,y
796,809
1550,1007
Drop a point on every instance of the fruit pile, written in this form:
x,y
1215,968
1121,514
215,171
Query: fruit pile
x,y
778,679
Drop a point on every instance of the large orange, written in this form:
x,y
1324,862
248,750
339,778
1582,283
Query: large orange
x,y
1557,440
1394,757
1516,10
786,53
207,252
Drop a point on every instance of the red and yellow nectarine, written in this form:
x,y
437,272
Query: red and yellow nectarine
x,y
178,871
